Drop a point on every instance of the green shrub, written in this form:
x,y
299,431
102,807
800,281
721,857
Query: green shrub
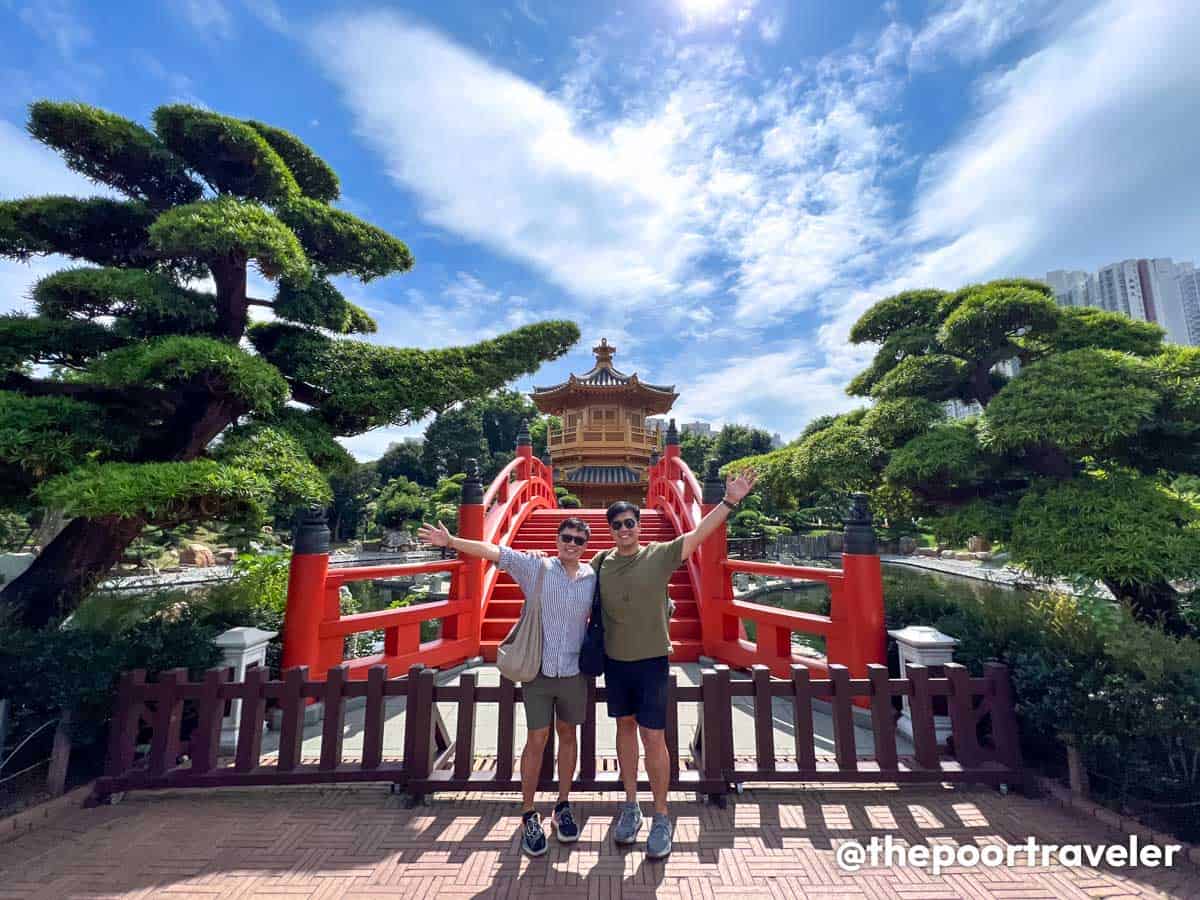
x,y
1125,693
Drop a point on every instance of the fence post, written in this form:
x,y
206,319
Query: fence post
x,y
861,603
713,553
470,527
306,593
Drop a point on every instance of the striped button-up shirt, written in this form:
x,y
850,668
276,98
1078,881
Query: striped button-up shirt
x,y
566,605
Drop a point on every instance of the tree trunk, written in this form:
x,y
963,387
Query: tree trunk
x,y
64,572
53,522
1155,602
229,276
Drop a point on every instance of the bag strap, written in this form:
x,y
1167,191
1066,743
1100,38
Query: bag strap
x,y
602,556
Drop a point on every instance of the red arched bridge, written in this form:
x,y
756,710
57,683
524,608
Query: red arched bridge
x,y
519,510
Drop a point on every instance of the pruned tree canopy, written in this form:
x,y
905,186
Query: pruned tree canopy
x,y
164,405
1070,459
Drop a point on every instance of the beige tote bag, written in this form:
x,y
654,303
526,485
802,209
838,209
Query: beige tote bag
x,y
519,656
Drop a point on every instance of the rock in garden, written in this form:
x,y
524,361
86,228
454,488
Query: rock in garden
x,y
196,555
834,541
927,551
907,546
977,544
226,555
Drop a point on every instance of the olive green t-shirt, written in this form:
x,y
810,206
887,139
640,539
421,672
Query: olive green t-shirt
x,y
633,597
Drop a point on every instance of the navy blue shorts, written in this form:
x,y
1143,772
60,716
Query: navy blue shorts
x,y
638,689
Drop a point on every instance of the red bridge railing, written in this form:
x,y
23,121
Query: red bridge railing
x,y
314,628
854,629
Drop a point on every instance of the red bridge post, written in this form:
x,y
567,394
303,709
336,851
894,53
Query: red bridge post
x,y
307,600
470,527
864,639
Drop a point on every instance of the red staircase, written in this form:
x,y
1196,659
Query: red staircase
x,y
539,531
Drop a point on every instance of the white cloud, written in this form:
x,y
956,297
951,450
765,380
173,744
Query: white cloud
x,y
526,9
781,390
212,17
771,28
971,29
624,212
55,22
1080,152
499,161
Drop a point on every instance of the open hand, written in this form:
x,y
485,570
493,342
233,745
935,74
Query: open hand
x,y
438,537
737,487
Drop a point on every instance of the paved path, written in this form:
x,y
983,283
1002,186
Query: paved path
x,y
360,842
687,674
1006,576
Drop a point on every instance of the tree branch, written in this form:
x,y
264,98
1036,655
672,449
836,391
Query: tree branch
x,y
254,301
153,398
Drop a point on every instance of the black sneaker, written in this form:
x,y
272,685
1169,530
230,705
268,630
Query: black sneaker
x,y
565,828
533,838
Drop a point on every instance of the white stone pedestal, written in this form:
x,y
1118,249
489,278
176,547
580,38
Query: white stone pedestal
x,y
925,646
242,648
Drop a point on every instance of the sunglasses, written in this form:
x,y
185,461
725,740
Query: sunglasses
x,y
624,523
573,539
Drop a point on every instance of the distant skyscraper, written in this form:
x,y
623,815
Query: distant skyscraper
x,y
1149,290
1070,287
702,428
1189,296
1121,289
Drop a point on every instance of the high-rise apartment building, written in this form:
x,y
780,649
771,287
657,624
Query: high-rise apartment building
x,y
1150,290
1189,296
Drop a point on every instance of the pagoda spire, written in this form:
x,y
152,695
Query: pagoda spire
x,y
604,353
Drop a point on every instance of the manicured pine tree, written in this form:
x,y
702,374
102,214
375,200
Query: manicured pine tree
x,y
1071,462
115,390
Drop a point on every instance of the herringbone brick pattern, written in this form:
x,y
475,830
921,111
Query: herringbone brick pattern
x,y
362,842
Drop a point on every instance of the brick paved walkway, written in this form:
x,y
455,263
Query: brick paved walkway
x,y
361,842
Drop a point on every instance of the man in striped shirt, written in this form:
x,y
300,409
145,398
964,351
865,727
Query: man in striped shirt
x,y
560,688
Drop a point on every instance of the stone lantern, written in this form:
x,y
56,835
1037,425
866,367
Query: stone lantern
x,y
926,646
242,648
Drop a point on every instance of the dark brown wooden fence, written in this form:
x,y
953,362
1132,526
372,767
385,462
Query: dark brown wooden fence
x,y
981,711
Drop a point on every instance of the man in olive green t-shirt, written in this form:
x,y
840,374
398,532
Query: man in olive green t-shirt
x,y
637,644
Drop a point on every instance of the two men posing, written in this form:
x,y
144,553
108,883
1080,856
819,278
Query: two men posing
x,y
636,611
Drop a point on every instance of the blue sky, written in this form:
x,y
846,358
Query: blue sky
x,y
720,187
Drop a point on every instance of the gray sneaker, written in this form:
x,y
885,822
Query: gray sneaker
x,y
629,824
658,844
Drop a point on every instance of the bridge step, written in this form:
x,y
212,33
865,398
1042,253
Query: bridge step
x,y
506,590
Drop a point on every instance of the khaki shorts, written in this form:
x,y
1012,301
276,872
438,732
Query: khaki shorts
x,y
547,697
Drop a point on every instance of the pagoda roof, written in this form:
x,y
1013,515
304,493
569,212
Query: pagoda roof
x,y
604,377
602,475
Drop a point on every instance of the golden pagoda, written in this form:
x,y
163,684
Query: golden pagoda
x,y
603,449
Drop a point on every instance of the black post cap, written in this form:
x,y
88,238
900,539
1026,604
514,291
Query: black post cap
x,y
654,457
312,532
523,438
672,434
472,491
859,534
714,487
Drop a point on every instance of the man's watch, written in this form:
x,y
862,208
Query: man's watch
x,y
727,503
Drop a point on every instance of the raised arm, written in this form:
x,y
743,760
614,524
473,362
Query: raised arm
x,y
441,537
735,490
